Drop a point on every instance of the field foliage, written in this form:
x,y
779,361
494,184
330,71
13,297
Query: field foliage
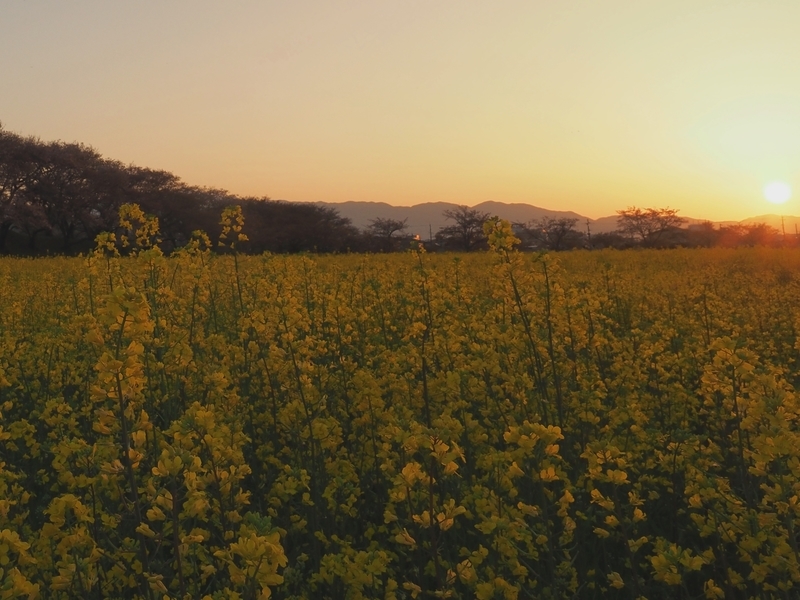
x,y
503,425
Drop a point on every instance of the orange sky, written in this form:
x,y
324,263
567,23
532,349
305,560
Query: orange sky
x,y
589,106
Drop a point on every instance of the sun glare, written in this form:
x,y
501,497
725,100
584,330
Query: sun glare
x,y
777,192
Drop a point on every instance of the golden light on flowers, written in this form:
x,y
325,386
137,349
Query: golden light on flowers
x,y
397,425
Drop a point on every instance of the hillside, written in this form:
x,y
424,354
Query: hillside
x,y
427,218
790,223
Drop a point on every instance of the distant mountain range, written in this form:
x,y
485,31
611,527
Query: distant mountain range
x,y
426,219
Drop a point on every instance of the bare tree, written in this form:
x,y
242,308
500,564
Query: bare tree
x,y
467,232
552,234
382,230
649,226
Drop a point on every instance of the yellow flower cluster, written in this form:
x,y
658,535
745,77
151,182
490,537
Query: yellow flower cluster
x,y
398,426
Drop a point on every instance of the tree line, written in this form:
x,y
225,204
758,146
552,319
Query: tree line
x,y
636,227
56,197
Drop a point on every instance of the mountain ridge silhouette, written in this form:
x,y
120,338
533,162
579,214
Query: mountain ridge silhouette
x,y
426,218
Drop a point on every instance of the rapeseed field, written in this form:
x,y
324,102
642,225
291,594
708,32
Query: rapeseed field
x,y
596,424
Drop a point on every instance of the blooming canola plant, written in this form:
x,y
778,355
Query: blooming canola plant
x,y
496,425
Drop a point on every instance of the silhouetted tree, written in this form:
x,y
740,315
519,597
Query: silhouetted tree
x,y
648,226
760,234
551,234
71,192
730,236
382,230
279,226
181,209
702,235
466,233
21,164
79,192
610,239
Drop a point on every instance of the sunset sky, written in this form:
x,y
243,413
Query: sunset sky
x,y
589,106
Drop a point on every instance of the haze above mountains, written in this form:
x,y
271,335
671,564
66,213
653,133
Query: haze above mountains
x,y
427,218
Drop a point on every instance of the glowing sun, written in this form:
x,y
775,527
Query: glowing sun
x,y
777,192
